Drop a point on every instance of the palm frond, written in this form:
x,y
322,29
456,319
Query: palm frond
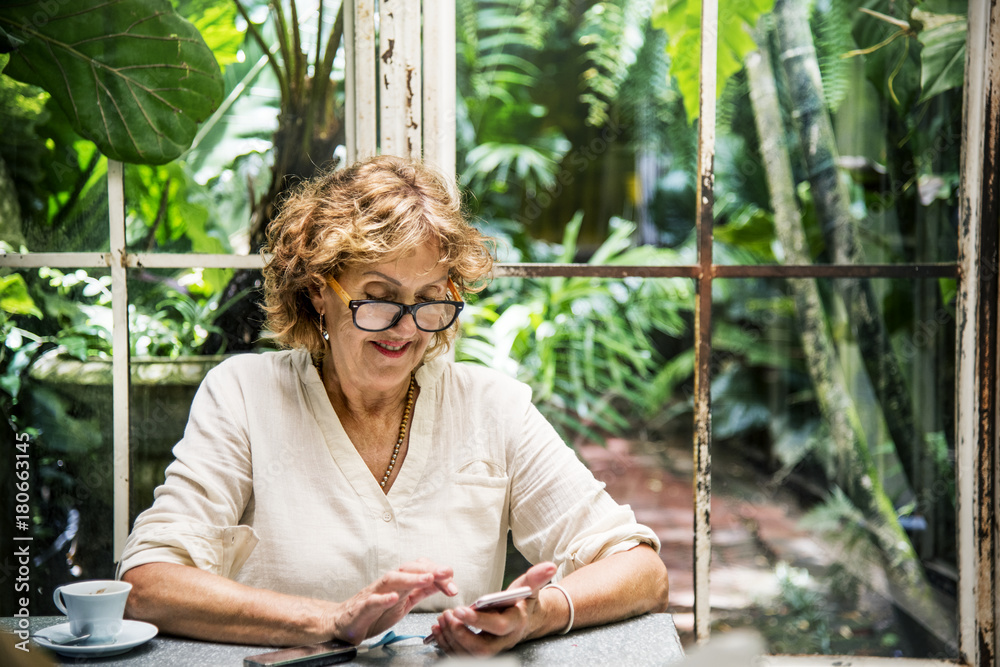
x,y
497,40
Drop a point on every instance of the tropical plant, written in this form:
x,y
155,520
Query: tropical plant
x,y
584,345
259,143
505,140
554,99
131,75
309,120
942,34
167,321
14,300
613,33
681,19
61,131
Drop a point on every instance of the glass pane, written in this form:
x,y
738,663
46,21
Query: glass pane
x,y
181,326
573,116
605,127
651,471
184,312
858,167
204,201
51,219
833,519
168,210
55,395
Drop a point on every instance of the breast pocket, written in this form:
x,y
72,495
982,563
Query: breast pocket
x,y
478,516
480,501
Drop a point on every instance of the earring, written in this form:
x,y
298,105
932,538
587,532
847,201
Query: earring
x,y
322,329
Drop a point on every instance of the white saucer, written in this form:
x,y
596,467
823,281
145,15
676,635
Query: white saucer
x,y
134,633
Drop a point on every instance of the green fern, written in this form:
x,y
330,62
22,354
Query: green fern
x,y
731,98
832,31
652,107
583,344
612,34
841,523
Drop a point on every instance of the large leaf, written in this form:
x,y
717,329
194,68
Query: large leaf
x,y
681,20
14,297
131,75
942,59
216,22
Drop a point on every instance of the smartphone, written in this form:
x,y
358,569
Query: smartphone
x,y
503,599
311,655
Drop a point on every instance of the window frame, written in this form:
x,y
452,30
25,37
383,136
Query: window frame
x,y
977,319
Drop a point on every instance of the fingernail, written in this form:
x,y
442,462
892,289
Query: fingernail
x,y
461,613
451,588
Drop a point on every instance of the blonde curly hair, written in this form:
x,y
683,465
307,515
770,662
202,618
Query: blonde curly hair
x,y
372,212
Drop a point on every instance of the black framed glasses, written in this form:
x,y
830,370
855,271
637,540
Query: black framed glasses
x,y
378,315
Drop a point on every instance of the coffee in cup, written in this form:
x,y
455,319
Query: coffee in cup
x,y
94,608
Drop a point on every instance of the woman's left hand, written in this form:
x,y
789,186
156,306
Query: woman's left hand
x,y
455,630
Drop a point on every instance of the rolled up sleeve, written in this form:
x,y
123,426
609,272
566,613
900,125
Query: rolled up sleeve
x,y
559,511
196,512
221,550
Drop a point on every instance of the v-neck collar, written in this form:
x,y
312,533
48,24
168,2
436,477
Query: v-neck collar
x,y
347,457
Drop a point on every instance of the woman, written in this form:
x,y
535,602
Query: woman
x,y
329,489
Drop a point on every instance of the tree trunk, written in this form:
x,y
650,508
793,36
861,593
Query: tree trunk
x,y
10,210
857,471
832,203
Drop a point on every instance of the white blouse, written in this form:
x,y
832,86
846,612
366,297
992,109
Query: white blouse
x,y
267,489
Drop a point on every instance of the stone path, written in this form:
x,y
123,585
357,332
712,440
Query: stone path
x,y
753,528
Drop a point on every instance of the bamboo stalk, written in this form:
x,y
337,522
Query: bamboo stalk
x,y
856,467
832,201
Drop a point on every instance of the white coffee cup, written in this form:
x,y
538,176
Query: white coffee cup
x,y
94,608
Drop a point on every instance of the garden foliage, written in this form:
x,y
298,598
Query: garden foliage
x,y
576,143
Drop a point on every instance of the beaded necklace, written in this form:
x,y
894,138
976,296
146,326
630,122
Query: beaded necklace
x,y
402,429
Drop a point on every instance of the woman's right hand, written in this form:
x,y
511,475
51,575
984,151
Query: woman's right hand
x,y
381,604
